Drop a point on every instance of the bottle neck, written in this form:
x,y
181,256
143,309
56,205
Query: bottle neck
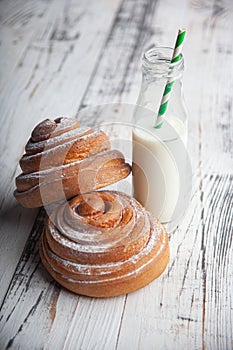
x,y
157,70
156,65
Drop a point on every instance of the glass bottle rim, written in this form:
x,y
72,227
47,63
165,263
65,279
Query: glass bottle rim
x,y
157,61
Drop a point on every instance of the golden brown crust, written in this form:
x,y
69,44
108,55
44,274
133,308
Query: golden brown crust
x,y
66,151
62,160
103,244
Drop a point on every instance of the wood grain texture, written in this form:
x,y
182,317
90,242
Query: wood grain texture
x,y
71,55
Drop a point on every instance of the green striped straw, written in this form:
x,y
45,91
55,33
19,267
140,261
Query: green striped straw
x,y
167,91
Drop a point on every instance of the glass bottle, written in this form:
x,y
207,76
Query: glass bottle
x,y
161,170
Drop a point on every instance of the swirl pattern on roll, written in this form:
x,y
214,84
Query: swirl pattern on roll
x,y
104,244
63,159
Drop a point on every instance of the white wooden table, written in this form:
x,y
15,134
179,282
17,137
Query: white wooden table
x,y
60,56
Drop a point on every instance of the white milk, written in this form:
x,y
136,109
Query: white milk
x,y
158,157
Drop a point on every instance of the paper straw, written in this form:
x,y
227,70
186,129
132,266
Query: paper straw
x,y
167,91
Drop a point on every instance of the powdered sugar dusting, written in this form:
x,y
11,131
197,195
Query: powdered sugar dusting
x,y
100,272
53,141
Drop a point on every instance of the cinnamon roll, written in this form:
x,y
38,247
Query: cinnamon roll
x,y
103,244
63,159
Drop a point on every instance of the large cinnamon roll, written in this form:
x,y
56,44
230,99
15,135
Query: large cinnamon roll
x,y
63,159
103,244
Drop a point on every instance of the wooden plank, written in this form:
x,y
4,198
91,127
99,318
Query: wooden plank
x,y
39,85
215,126
16,221
120,62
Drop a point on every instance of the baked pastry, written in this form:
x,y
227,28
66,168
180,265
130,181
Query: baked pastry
x,y
63,159
103,244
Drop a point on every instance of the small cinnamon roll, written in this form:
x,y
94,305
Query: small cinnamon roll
x,y
63,159
103,244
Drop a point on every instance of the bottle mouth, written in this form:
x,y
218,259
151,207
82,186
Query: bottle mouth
x,y
158,61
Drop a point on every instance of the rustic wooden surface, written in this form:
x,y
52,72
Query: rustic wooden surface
x,y
60,56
